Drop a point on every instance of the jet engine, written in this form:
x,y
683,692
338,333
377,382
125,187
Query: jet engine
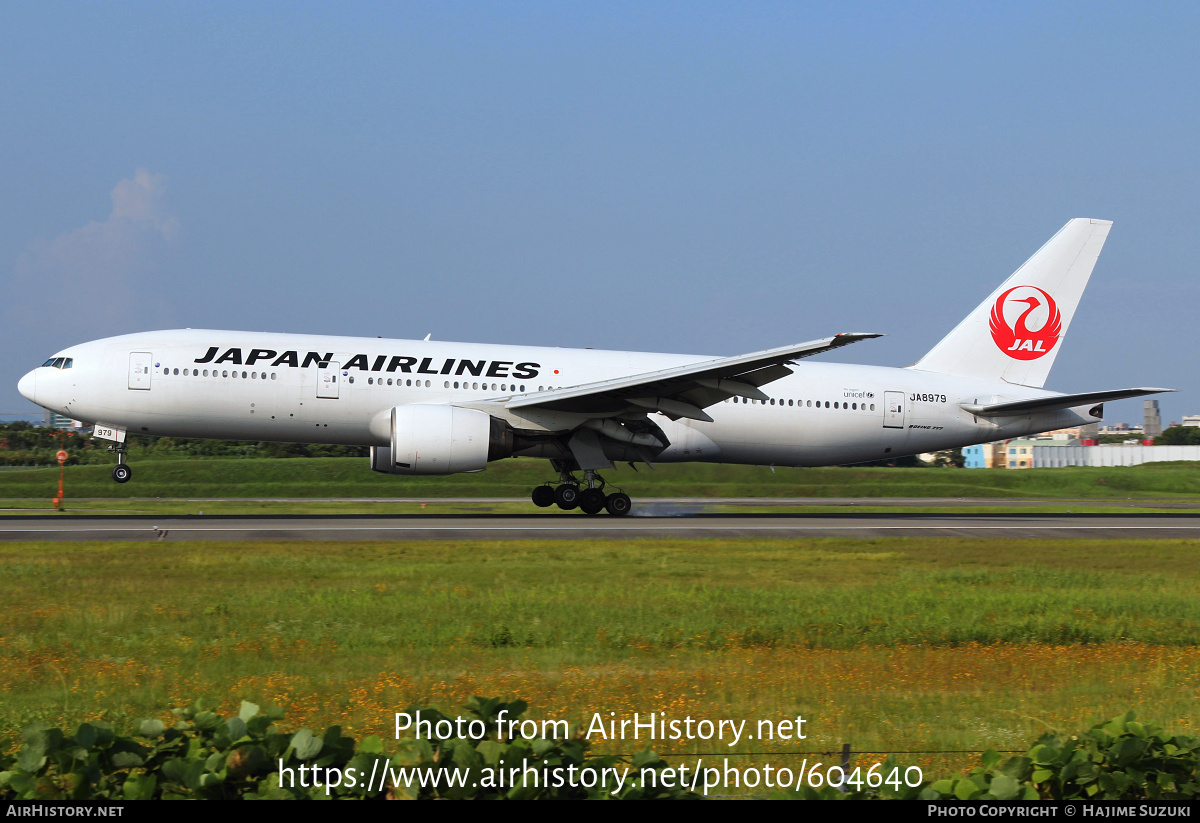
x,y
435,439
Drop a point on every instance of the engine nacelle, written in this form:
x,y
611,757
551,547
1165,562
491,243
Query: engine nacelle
x,y
437,439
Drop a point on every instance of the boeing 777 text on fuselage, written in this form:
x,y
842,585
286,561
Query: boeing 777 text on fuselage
x,y
428,408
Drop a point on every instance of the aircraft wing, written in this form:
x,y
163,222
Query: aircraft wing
x,y
1020,408
685,391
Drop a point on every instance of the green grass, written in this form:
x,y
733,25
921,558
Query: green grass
x,y
351,477
888,644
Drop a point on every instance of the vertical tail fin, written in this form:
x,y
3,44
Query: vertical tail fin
x,y
1016,333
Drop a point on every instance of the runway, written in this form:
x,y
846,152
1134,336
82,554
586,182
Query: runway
x,y
575,526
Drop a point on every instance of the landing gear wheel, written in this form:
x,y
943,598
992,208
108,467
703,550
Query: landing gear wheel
x,y
543,496
566,496
121,473
618,504
591,501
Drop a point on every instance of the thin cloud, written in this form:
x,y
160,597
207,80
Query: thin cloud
x,y
97,276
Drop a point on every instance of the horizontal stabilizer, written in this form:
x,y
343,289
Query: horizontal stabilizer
x,y
1020,408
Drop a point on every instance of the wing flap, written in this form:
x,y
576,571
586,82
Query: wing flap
x,y
715,380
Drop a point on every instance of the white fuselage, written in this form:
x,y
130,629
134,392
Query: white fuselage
x,y
264,386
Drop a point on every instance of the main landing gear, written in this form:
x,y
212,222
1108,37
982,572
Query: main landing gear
x,y
590,499
121,472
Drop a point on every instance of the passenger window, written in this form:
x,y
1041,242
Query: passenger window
x,y
225,374
351,378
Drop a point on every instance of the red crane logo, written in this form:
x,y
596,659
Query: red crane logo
x,y
1019,341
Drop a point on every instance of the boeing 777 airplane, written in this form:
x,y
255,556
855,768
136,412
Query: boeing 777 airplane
x,y
428,408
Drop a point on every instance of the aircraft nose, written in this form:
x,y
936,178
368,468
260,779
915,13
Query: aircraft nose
x,y
28,386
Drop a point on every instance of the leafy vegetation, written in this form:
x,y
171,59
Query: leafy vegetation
x,y
471,756
1121,759
204,756
1118,760
1179,436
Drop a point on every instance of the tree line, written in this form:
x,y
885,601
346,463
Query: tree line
x,y
23,444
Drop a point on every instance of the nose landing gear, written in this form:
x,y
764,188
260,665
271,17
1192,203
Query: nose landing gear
x,y
121,472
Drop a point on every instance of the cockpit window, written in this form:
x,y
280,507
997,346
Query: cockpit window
x,y
59,362
49,362
68,363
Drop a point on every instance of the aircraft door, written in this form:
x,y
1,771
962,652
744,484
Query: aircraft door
x,y
328,381
893,410
140,365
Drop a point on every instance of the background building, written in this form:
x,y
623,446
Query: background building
x,y
1023,452
984,456
52,420
1152,422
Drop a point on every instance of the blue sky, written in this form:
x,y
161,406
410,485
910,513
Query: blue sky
x,y
707,178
